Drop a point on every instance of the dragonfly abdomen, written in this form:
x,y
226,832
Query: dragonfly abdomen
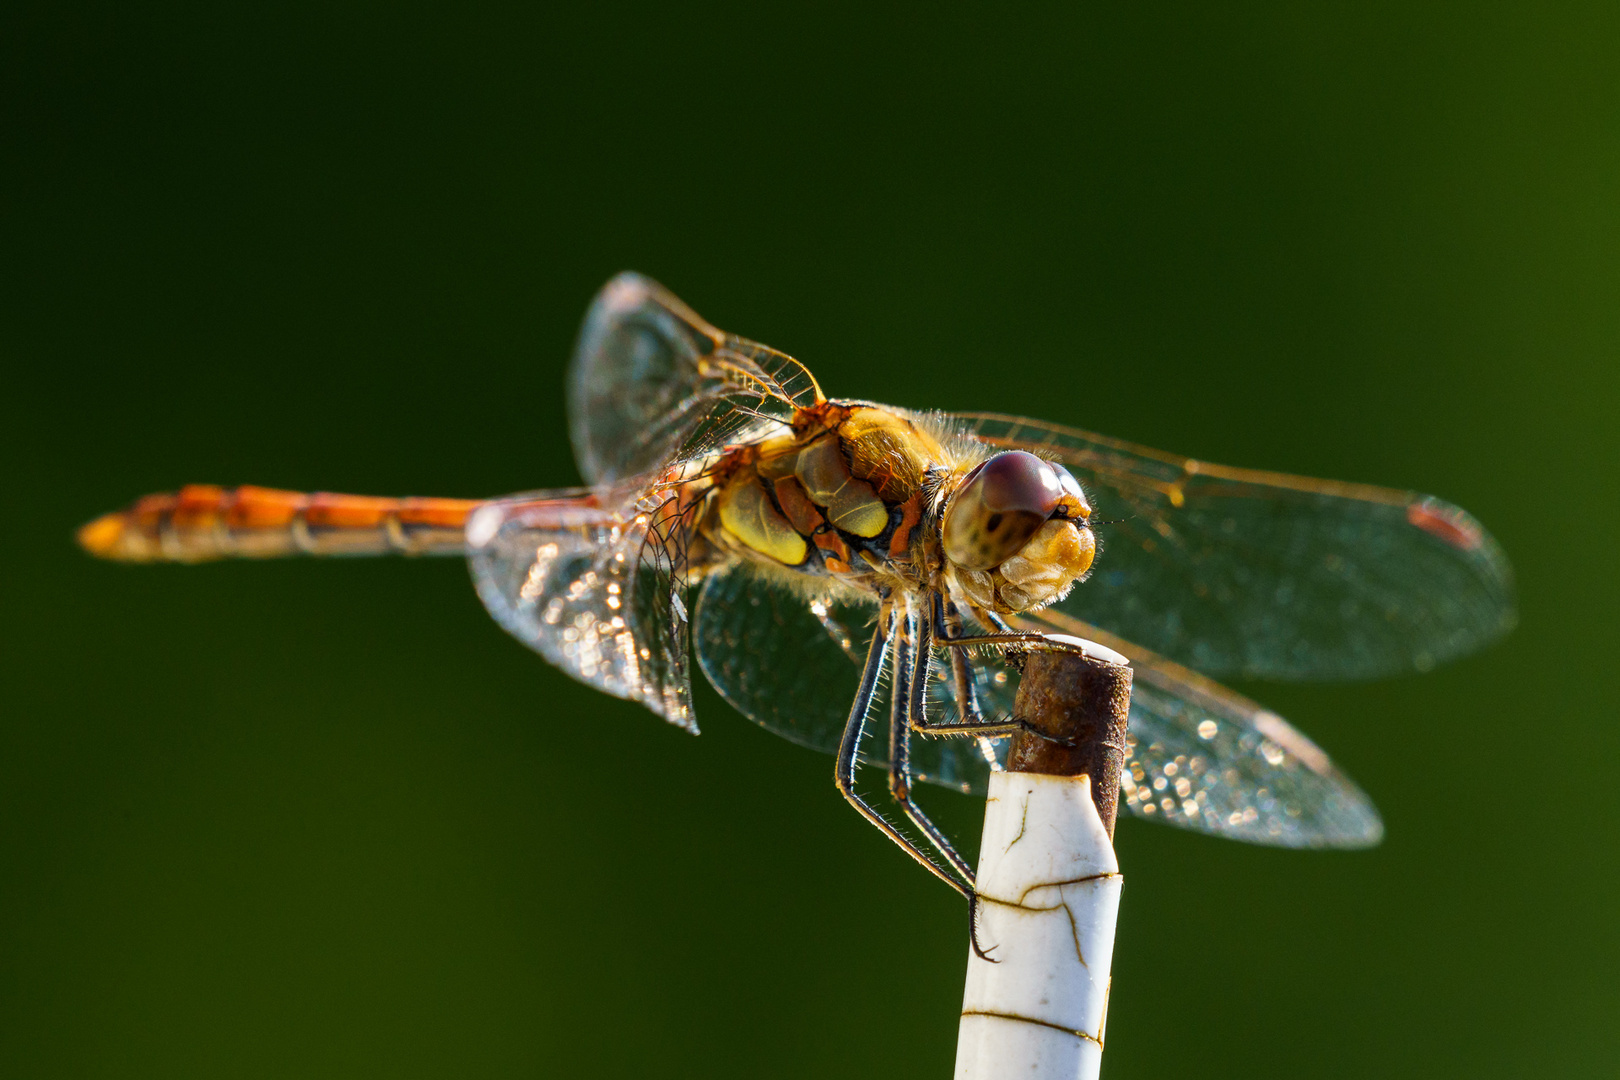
x,y
201,522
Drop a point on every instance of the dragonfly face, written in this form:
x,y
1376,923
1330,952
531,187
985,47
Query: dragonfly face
x,y
825,558
1015,533
1000,506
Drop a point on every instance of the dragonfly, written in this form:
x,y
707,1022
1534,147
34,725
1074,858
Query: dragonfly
x,y
825,559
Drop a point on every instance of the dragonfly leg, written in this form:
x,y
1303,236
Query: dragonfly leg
x,y
948,626
988,729
967,692
849,753
951,635
908,707
908,711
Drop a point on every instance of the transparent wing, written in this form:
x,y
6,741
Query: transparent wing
x,y
1206,758
1201,757
1236,572
791,664
652,383
592,580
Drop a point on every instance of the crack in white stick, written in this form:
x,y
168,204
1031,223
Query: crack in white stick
x,y
1049,886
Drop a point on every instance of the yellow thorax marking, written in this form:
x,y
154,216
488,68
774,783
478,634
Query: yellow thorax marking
x,y
749,515
850,503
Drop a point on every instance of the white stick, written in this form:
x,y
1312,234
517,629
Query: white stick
x,y
1049,886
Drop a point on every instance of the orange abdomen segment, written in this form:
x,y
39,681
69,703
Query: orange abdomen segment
x,y
201,522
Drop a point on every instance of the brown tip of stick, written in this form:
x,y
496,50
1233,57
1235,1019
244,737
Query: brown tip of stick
x,y
1083,700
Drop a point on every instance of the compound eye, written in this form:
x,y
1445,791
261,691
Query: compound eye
x,y
1000,505
1074,505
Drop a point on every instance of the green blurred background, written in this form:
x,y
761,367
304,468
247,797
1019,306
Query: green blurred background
x,y
325,819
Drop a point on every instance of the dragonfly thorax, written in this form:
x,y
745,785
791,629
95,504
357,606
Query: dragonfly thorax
x,y
844,492
874,498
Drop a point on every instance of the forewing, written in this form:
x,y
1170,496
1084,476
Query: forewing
x,y
791,663
592,582
653,383
1206,758
1237,572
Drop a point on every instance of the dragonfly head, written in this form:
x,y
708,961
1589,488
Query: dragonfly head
x,y
1015,531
